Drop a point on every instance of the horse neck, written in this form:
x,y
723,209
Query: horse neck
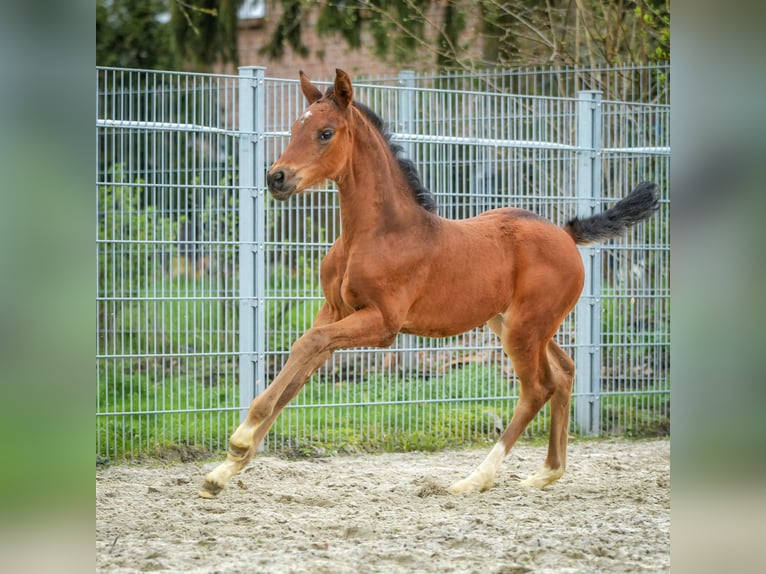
x,y
374,194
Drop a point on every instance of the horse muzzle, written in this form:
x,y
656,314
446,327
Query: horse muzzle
x,y
283,182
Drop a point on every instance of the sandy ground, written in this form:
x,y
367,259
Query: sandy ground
x,y
389,513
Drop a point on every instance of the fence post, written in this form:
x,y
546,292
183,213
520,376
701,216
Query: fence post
x,y
407,108
587,384
252,186
406,126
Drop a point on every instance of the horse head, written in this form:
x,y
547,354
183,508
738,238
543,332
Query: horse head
x,y
320,140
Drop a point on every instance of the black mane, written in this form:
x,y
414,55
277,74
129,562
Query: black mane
x,y
422,195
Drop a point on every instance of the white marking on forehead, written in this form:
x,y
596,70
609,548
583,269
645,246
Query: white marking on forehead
x,y
306,115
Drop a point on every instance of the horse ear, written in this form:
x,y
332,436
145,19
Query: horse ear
x,y
343,91
310,91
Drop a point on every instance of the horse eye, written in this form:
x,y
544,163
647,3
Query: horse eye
x,y
325,135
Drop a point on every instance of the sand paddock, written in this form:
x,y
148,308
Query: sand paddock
x,y
389,513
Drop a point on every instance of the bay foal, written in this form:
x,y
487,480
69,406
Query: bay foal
x,y
398,267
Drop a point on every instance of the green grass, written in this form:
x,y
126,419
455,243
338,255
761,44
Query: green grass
x,y
637,414
166,316
383,413
380,414
161,434
393,414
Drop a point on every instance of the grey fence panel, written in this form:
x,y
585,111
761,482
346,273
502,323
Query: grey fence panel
x,y
477,146
649,84
166,247
635,292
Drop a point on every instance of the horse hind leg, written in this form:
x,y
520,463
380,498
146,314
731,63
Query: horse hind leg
x,y
560,374
530,361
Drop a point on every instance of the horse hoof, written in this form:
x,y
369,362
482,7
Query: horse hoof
x,y
533,482
209,489
543,478
467,486
458,488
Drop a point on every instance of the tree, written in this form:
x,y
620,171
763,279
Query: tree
x,y
166,34
459,34
205,31
130,34
465,34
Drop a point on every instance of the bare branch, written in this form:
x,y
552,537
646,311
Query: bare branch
x,y
506,8
464,64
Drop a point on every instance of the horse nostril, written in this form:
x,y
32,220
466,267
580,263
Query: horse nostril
x,y
276,179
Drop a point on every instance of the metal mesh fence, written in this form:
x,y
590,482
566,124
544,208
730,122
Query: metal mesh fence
x,y
648,84
167,247
635,285
204,282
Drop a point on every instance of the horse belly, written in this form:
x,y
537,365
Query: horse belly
x,y
443,328
454,306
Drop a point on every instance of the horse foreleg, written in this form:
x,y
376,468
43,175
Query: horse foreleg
x,y
264,410
366,327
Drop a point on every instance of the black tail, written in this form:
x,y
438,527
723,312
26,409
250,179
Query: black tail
x,y
637,206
